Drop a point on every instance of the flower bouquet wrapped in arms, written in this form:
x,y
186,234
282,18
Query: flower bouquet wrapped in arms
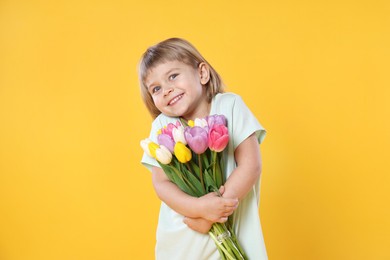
x,y
196,170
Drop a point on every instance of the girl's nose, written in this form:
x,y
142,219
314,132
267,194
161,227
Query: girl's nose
x,y
168,90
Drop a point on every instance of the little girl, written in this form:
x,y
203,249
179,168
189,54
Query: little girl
x,y
177,82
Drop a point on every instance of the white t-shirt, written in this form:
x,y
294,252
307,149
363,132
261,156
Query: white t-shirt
x,y
174,239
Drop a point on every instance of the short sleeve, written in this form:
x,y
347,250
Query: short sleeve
x,y
146,160
244,123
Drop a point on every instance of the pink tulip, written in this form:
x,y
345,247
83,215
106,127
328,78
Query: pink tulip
x,y
168,129
218,137
167,141
196,138
216,120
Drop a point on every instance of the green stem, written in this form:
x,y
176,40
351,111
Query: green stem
x,y
214,163
183,122
224,241
237,244
230,244
201,173
229,256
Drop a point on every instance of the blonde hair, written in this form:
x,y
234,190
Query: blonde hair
x,y
174,49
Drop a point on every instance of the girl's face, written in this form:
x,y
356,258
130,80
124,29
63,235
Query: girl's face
x,y
178,89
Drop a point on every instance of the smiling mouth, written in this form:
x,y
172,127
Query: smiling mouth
x,y
175,99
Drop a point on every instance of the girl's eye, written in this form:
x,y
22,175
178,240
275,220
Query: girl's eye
x,y
155,89
173,76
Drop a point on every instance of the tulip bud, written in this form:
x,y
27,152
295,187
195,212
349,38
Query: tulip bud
x,y
152,148
145,146
191,123
169,128
196,138
216,120
200,122
167,141
218,138
163,155
178,135
182,153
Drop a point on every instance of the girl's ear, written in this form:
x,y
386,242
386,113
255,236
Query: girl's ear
x,y
204,73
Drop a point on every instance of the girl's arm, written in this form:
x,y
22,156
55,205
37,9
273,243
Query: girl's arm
x,y
248,170
242,179
200,225
210,206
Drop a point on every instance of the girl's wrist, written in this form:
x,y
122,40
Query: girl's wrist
x,y
193,208
199,208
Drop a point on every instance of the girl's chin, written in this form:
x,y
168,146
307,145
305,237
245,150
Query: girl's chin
x,y
175,112
170,114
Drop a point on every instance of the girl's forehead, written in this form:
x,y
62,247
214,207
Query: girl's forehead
x,y
168,64
164,67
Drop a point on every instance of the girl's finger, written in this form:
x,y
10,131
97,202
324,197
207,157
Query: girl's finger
x,y
223,220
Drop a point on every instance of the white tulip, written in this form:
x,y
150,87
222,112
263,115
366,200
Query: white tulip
x,y
178,135
163,155
200,122
145,146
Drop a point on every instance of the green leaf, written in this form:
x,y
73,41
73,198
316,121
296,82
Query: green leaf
x,y
197,184
195,169
176,176
205,158
192,182
209,182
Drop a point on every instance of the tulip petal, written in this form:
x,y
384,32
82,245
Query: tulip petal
x,y
167,141
218,137
197,139
163,155
182,153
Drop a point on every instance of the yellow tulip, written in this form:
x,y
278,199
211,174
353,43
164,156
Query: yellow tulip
x,y
182,153
191,123
152,149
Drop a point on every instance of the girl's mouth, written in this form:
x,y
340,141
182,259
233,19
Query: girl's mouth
x,y
175,99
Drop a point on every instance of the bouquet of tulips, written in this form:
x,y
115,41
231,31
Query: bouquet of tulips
x,y
190,155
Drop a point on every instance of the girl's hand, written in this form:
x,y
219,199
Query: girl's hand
x,y
215,208
200,225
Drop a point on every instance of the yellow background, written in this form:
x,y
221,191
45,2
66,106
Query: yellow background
x,y
315,73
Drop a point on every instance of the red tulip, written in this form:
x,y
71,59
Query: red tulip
x,y
218,137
